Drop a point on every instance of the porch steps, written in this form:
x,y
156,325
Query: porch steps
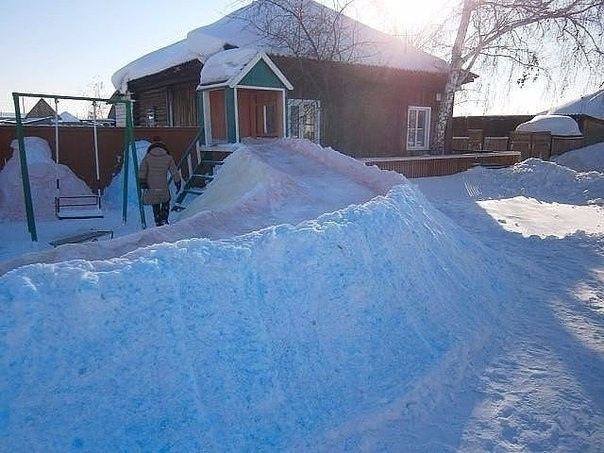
x,y
197,166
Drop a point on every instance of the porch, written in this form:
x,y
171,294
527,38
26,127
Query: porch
x,y
242,95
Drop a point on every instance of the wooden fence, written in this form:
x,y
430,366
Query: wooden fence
x,y
424,166
529,144
77,149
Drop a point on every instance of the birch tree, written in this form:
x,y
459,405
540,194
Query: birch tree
x,y
522,33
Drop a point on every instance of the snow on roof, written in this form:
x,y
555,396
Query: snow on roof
x,y
225,65
372,47
555,124
591,105
67,117
153,63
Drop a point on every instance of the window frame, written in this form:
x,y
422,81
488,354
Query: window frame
x,y
299,103
427,127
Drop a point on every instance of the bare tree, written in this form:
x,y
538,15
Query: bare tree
x,y
522,33
96,88
305,29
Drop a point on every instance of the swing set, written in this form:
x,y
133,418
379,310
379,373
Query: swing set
x,y
78,206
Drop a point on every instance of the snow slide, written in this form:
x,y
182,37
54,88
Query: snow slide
x,y
43,172
285,181
290,337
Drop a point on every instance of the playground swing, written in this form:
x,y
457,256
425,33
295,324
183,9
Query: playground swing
x,y
78,206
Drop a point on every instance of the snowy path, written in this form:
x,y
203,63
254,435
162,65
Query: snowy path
x,y
544,388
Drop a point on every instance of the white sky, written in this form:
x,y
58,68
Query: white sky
x,y
62,46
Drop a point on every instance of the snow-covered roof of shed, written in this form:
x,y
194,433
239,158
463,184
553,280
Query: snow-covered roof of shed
x,y
372,47
225,65
230,67
591,105
67,117
555,124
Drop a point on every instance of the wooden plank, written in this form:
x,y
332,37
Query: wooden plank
x,y
426,166
82,237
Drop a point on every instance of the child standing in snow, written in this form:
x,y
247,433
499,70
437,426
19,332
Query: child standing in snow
x,y
153,175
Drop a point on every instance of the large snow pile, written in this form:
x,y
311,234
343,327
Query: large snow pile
x,y
589,158
535,178
555,124
286,181
591,105
43,172
285,338
240,29
221,66
113,194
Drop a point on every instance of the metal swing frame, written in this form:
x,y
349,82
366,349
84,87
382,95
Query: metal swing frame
x,y
78,206
129,148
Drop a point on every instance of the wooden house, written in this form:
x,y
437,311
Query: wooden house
x,y
382,102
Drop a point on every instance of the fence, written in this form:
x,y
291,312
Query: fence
x,y
76,146
424,166
529,144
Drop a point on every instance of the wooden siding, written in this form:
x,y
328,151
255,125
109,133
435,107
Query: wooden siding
x,y
184,105
171,92
153,100
366,113
592,128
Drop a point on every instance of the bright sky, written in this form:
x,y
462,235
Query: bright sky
x,y
63,46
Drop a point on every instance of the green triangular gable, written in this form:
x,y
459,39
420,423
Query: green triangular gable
x,y
261,75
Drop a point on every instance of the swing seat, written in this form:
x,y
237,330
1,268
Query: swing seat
x,y
78,207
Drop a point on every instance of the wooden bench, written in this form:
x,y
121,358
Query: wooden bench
x,y
88,236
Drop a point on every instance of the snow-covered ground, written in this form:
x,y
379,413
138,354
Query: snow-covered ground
x,y
308,302
43,172
590,158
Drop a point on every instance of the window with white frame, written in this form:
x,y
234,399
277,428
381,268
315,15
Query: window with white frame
x,y
304,119
418,128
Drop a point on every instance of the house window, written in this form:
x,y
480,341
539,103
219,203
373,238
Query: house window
x,y
150,117
304,119
418,128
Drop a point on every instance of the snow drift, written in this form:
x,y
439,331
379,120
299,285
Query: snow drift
x,y
43,172
535,178
279,338
589,158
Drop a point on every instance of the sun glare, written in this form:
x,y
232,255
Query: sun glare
x,y
401,16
